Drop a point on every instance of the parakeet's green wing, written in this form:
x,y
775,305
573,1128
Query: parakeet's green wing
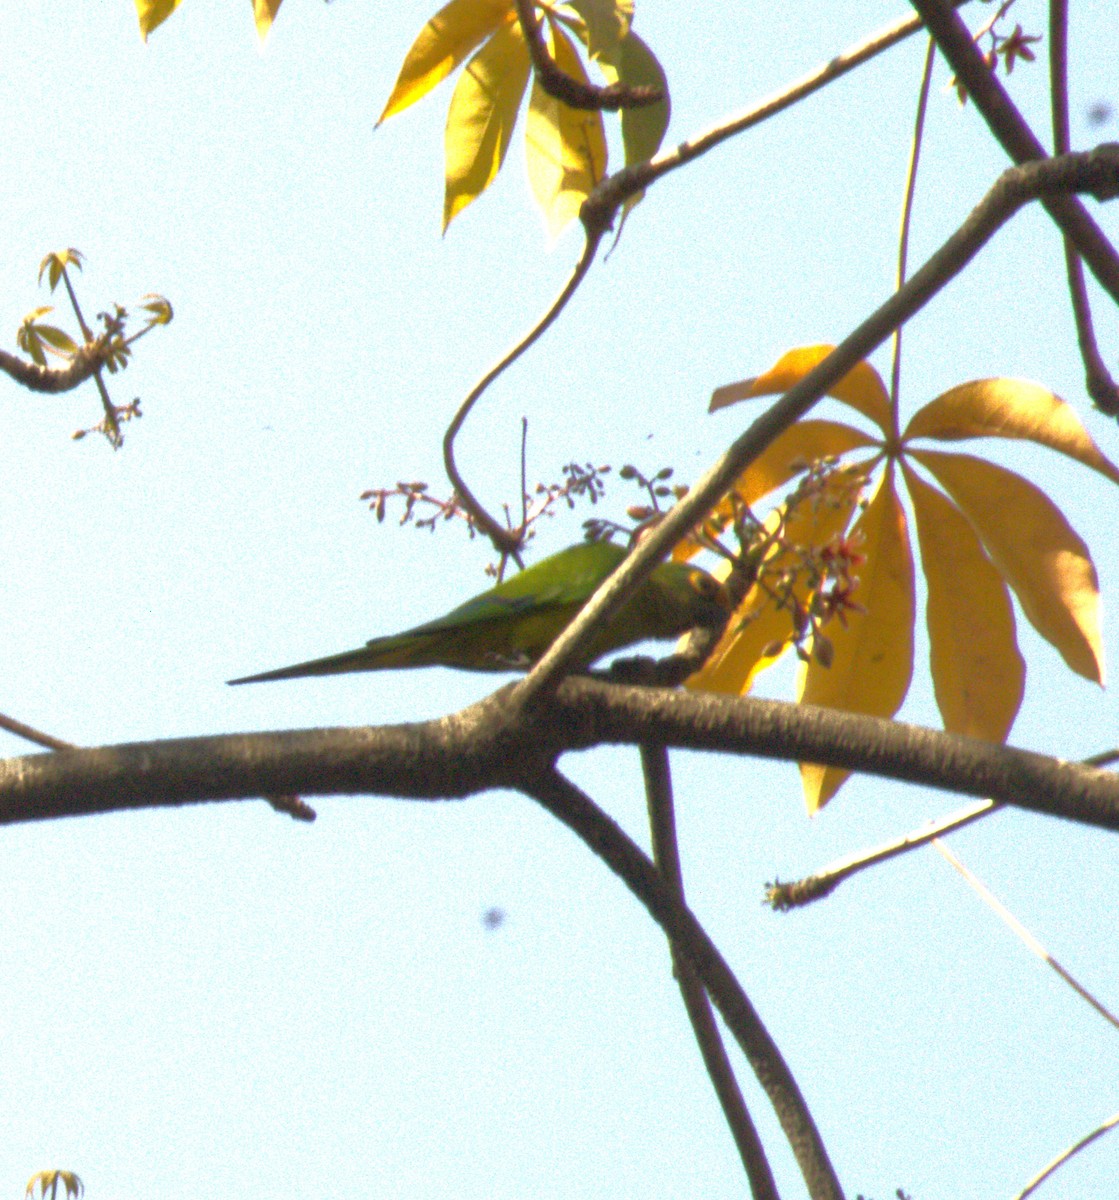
x,y
510,626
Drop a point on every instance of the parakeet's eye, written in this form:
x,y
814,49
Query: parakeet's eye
x,y
710,588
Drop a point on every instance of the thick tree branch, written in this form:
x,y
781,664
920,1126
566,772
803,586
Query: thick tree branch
x,y
493,743
52,380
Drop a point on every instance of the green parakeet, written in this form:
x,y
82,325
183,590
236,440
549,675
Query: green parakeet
x,y
510,627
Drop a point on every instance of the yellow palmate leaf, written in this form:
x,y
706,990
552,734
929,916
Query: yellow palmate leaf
x,y
1010,408
872,659
1035,549
760,625
264,13
789,453
862,387
455,31
152,14
978,673
565,147
481,117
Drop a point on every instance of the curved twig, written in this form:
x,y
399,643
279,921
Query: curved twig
x,y
575,93
508,541
560,797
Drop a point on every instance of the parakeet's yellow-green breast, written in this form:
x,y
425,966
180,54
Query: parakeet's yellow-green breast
x,y
509,627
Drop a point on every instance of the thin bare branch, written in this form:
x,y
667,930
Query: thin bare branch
x,y
1015,135
1022,933
784,896
1098,383
1065,1155
907,218
555,793
615,190
666,856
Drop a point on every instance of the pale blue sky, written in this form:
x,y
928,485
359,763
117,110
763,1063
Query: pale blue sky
x,y
216,998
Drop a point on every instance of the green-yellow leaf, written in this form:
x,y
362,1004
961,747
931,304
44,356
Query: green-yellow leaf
x,y
58,338
1010,408
159,308
632,62
481,117
51,1179
264,13
872,662
607,23
153,13
862,387
455,31
978,673
565,147
30,343
1035,549
54,264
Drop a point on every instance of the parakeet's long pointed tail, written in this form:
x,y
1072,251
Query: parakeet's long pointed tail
x,y
334,664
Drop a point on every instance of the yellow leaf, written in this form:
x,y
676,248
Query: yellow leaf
x,y
760,625
455,31
264,12
153,13
789,453
862,387
1010,408
1035,549
978,673
481,117
565,147
872,662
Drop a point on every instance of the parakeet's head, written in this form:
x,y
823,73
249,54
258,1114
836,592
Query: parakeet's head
x,y
700,599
